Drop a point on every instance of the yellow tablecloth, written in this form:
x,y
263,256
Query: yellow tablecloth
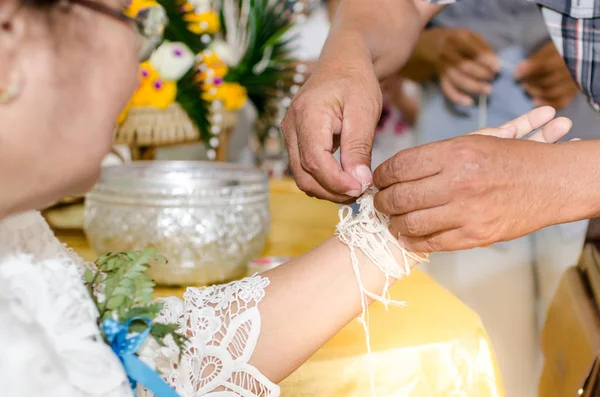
x,y
435,346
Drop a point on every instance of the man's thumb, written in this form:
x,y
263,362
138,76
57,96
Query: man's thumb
x,y
356,145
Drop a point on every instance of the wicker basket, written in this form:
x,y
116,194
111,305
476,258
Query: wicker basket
x,y
148,128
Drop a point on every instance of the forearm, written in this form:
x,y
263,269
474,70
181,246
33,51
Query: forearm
x,y
385,32
307,302
578,181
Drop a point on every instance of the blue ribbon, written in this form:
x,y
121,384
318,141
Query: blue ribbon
x,y
125,344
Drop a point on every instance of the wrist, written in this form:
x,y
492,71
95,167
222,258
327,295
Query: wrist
x,y
573,171
387,32
345,46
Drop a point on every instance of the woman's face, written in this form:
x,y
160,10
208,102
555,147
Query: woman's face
x,y
77,69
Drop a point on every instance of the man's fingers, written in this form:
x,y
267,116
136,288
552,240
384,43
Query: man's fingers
x,y
453,94
532,120
468,84
307,183
409,165
303,179
476,70
471,66
473,46
553,131
423,223
406,197
522,125
530,69
438,242
356,141
315,147
557,91
546,81
312,188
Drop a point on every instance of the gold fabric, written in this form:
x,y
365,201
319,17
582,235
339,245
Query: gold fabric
x,y
435,346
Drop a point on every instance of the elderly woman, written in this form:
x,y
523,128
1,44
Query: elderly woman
x,y
68,67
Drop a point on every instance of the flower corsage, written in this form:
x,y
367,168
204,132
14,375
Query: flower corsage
x,y
123,293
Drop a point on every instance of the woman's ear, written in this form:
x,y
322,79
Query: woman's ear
x,y
12,35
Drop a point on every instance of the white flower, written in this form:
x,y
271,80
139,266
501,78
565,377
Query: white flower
x,y
224,52
172,60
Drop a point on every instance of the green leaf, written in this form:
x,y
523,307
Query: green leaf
x,y
88,276
150,312
126,283
268,25
160,331
115,302
189,97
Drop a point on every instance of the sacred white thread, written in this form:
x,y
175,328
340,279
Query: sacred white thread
x,y
482,111
483,97
369,231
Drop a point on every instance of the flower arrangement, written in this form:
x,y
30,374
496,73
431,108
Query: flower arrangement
x,y
216,55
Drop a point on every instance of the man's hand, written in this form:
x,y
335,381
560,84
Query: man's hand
x,y
546,78
475,190
340,103
462,60
334,107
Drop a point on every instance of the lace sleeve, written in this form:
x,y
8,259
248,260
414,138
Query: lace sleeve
x,y
223,324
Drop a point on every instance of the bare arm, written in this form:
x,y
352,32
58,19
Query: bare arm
x,y
386,29
317,295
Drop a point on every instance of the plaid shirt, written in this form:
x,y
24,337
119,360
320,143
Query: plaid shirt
x,y
574,26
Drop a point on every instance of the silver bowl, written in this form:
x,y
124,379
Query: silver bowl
x,y
209,219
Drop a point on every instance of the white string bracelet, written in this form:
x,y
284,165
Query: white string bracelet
x,y
369,232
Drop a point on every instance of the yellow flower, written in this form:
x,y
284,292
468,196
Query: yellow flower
x,y
213,68
153,91
206,22
233,95
136,5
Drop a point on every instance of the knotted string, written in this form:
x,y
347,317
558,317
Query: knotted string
x,y
125,344
369,232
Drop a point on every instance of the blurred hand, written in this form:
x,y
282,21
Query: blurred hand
x,y
396,93
463,61
546,78
475,190
338,106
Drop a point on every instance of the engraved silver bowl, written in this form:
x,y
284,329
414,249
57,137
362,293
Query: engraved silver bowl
x,y
209,219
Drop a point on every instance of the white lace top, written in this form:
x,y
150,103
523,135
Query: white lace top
x,y
51,345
